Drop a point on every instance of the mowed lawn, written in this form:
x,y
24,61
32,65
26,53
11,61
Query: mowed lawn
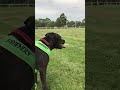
x,y
66,69
103,48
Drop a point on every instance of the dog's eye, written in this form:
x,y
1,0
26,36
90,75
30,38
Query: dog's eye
x,y
60,37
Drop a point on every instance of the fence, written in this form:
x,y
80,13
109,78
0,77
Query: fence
x,y
101,3
17,5
57,27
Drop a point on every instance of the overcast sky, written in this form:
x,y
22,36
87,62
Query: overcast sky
x,y
73,9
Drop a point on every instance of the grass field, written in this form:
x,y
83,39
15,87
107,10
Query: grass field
x,y
66,69
103,48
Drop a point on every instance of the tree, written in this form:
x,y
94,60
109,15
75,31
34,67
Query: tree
x,y
39,23
71,24
78,24
47,21
51,24
42,22
83,22
61,21
36,23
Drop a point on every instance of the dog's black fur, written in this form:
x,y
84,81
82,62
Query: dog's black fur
x,y
55,42
15,74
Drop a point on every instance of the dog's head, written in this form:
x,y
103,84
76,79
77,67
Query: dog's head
x,y
26,33
55,40
30,27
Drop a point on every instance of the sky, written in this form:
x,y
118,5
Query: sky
x,y
73,9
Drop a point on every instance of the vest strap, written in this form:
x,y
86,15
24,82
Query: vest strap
x,y
19,49
43,47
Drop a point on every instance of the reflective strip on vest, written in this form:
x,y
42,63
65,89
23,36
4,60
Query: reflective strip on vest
x,y
43,47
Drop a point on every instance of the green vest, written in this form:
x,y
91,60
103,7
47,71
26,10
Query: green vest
x,y
20,50
43,47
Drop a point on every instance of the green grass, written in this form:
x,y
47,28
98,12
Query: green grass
x,y
12,18
66,69
102,48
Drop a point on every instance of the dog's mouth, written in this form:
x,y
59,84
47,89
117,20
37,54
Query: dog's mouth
x,y
62,45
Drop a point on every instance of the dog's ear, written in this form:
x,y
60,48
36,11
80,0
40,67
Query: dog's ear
x,y
30,22
48,35
53,35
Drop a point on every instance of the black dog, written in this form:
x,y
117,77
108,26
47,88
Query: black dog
x,y
16,74
52,41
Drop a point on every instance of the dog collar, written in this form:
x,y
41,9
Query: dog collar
x,y
46,43
24,37
43,47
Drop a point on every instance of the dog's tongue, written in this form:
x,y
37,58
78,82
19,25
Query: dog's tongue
x,y
62,45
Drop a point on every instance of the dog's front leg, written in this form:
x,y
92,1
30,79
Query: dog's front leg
x,y
42,69
43,78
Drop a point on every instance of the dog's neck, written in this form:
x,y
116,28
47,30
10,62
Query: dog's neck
x,y
47,43
25,37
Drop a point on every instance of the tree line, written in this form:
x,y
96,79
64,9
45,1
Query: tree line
x,y
61,21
